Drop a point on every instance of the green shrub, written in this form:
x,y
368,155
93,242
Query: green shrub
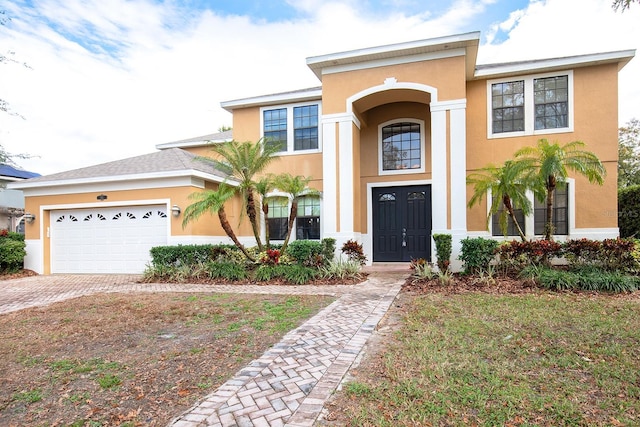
x,y
341,269
266,272
558,280
226,270
328,248
306,252
193,254
586,278
515,255
608,254
477,253
12,253
629,211
354,252
299,274
443,250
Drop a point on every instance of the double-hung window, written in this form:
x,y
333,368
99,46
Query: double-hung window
x,y
530,105
278,217
293,128
512,230
559,214
308,218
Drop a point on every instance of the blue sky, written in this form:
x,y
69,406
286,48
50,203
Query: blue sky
x,y
110,79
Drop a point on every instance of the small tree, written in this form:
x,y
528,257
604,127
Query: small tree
x,y
508,185
210,201
243,161
296,187
551,163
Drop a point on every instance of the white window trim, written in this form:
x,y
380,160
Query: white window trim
x,y
423,148
529,222
529,106
290,130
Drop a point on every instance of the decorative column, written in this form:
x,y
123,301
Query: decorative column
x,y
337,176
449,188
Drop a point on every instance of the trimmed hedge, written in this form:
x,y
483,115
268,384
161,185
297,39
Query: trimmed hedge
x,y
477,253
629,211
187,254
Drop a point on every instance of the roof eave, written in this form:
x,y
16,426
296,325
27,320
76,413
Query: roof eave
x,y
621,58
26,185
468,41
274,99
191,144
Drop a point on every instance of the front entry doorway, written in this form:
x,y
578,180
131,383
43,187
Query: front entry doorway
x,y
401,223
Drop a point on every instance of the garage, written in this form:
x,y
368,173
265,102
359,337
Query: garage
x,y
106,240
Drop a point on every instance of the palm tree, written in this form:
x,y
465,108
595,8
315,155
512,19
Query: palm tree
x,y
296,187
243,161
263,188
213,202
551,163
508,184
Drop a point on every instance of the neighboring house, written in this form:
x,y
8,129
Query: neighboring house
x,y
12,201
388,139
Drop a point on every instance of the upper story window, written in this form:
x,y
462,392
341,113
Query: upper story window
x,y
507,100
551,98
401,147
275,127
531,105
293,128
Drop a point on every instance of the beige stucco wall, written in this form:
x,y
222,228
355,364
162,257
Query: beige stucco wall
x,y
447,75
595,124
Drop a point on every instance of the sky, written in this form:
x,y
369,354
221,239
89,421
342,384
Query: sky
x,y
92,81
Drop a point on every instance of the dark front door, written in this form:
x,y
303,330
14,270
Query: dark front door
x,y
401,223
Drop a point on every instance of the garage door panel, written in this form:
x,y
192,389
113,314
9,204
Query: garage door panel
x,y
106,240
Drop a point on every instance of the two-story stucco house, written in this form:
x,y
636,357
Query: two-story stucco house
x,y
389,138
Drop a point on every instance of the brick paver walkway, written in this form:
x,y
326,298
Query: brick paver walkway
x,y
289,384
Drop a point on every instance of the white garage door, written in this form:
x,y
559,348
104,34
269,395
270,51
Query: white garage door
x,y
106,240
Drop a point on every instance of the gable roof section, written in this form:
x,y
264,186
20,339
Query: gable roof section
x,y
198,141
621,57
169,163
419,50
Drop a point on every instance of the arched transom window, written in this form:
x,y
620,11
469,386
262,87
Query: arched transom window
x,y
401,147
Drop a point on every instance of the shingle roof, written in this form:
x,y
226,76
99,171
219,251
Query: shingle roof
x,y
169,160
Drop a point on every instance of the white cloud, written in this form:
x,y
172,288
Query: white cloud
x,y
172,67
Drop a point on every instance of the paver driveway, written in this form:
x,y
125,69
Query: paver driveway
x,y
289,384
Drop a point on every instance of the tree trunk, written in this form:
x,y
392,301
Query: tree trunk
x,y
265,211
548,227
222,216
251,213
506,200
292,218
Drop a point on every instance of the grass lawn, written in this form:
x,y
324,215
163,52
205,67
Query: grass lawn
x,y
535,359
133,359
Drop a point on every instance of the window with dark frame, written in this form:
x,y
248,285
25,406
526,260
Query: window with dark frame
x,y
308,218
560,215
507,104
401,147
278,217
305,127
275,128
512,230
551,97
